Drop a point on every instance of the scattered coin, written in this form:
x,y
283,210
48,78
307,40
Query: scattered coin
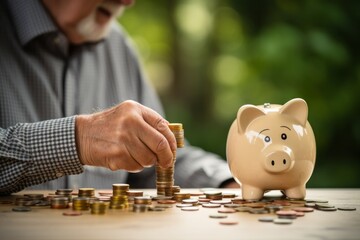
x,y
300,214
218,216
164,206
243,209
155,209
72,213
227,210
323,205
21,209
266,219
223,201
282,221
312,205
211,205
166,201
346,208
286,213
303,209
232,205
193,208
327,209
228,222
258,211
182,205
192,201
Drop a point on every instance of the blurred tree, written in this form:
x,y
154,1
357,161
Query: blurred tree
x,y
208,57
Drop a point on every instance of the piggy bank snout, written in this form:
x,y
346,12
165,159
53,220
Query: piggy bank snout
x,y
279,161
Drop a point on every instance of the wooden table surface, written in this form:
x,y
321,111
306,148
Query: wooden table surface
x,y
173,223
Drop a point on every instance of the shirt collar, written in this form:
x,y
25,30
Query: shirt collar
x,y
30,19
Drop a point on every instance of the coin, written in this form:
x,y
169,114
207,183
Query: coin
x,y
258,211
166,201
190,201
228,195
227,210
282,221
323,205
156,209
286,213
232,205
303,209
243,209
327,209
211,205
266,219
223,201
346,208
21,209
193,208
72,213
218,216
182,205
228,222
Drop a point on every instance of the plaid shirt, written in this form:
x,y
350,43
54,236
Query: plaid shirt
x,y
45,83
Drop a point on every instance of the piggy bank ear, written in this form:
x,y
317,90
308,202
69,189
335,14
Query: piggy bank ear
x,y
246,114
296,108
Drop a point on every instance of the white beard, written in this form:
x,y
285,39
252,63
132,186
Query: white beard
x,y
92,31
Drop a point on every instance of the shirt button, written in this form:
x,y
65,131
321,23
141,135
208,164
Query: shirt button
x,y
59,174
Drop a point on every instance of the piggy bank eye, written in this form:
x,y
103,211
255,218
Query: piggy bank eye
x,y
267,139
283,136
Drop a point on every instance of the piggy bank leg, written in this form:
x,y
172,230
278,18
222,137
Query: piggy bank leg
x,y
298,192
251,193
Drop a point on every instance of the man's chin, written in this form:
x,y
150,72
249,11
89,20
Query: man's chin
x,y
90,31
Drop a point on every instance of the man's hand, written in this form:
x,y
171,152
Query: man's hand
x,y
128,136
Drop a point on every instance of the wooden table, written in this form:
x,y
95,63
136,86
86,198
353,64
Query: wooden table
x,y
173,223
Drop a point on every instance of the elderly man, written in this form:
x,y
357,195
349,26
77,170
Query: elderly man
x,y
62,60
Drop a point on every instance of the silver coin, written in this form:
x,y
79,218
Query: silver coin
x,y
346,208
266,219
282,221
327,209
190,208
218,216
21,209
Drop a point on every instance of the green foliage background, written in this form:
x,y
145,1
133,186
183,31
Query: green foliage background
x,y
206,58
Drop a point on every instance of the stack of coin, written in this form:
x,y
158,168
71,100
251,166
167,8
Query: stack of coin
x,y
179,197
120,199
34,196
213,195
22,201
164,180
119,202
86,192
175,189
80,203
120,189
34,200
165,176
59,202
132,194
98,207
177,129
142,200
140,208
64,193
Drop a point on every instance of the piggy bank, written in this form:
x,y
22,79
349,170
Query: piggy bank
x,y
272,147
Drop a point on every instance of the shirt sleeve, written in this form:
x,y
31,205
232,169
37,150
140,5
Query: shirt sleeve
x,y
33,153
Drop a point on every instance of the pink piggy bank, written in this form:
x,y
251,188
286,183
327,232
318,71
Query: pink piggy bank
x,y
272,147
